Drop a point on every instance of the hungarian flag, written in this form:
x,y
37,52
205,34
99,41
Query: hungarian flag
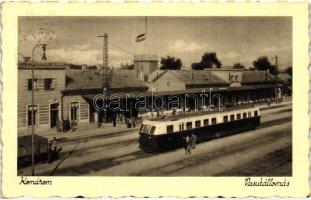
x,y
141,37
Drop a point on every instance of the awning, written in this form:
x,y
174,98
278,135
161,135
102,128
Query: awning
x,y
130,95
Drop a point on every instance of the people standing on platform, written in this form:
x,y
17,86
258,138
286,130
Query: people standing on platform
x,y
114,120
133,122
193,141
99,121
53,150
60,126
188,144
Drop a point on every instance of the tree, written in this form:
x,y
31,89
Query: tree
x,y
238,66
170,63
251,69
208,60
127,66
262,63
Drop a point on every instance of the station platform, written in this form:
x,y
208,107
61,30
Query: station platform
x,y
85,129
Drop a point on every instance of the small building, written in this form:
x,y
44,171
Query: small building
x,y
82,87
145,65
49,81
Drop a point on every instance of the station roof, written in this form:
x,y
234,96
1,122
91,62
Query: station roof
x,y
199,77
42,66
91,79
214,90
194,77
256,77
284,77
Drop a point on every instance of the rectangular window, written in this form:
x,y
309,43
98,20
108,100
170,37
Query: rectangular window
x,y
244,115
180,127
74,111
48,84
214,120
238,116
152,130
205,122
198,124
189,125
170,129
145,129
256,113
231,117
35,84
225,119
35,108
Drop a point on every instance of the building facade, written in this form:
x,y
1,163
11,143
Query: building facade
x,y
64,94
49,81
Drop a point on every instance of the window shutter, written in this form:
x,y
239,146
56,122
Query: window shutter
x,y
54,83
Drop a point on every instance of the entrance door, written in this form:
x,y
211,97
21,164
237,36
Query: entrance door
x,y
54,114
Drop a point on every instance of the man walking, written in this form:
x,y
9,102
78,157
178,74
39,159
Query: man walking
x,y
188,143
193,140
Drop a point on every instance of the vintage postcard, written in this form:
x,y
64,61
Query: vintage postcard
x,y
155,99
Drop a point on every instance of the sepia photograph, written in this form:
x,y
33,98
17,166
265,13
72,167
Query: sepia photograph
x,y
155,96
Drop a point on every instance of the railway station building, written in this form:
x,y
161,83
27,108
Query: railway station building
x,y
66,94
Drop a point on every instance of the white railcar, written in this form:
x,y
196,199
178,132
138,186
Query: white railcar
x,y
169,132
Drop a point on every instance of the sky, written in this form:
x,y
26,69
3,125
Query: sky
x,y
234,39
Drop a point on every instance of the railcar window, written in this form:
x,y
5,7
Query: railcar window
x,y
145,129
256,113
170,129
238,116
198,124
249,114
231,117
244,115
152,130
205,122
141,127
225,119
189,125
214,120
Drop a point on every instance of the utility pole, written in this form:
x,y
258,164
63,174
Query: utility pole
x,y
32,105
105,50
105,71
276,64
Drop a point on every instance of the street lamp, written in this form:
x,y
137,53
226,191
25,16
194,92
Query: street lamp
x,y
32,105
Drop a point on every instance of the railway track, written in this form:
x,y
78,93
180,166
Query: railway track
x,y
171,168
65,141
105,163
94,148
264,165
132,138
91,166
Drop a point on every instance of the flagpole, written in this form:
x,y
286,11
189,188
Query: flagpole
x,y
146,26
145,35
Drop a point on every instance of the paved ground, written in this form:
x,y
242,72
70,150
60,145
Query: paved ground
x,y
265,151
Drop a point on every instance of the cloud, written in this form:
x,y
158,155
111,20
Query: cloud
x,y
183,46
76,56
269,49
116,53
231,55
81,55
275,49
81,46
